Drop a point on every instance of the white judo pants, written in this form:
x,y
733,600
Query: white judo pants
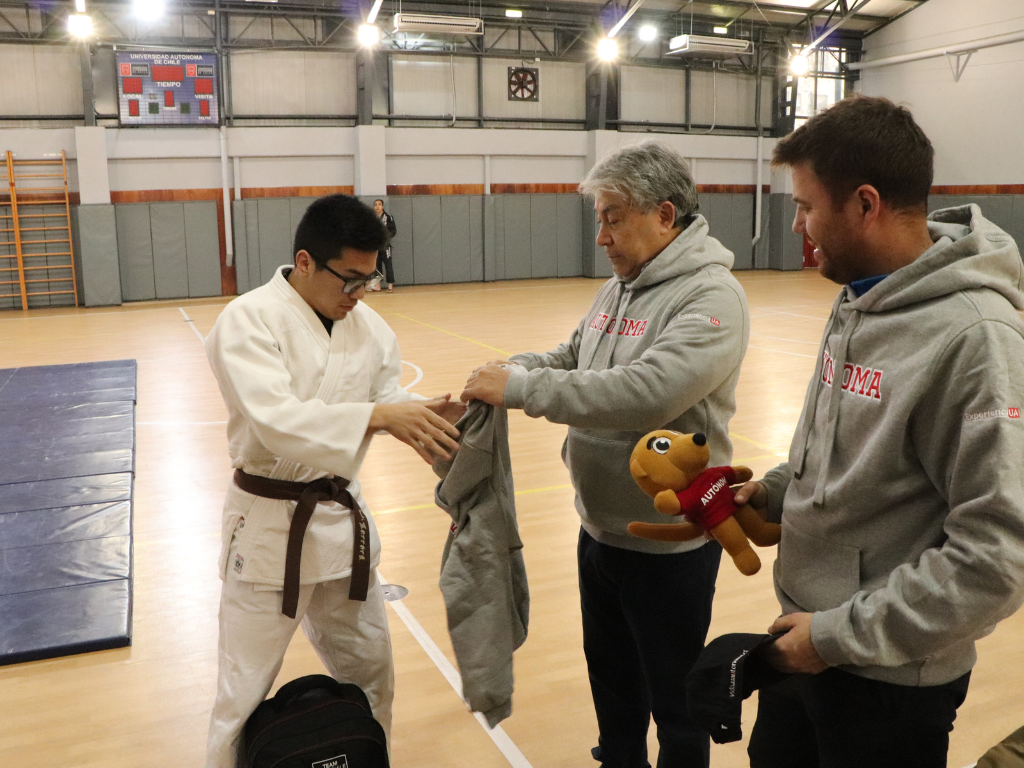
x,y
351,638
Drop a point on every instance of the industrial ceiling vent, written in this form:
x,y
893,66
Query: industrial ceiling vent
x,y
444,25
700,46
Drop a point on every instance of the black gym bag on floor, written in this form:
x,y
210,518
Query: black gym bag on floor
x,y
315,722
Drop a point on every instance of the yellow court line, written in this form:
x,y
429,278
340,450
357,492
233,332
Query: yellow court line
x,y
758,445
456,335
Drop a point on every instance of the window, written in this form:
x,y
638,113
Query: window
x,y
823,86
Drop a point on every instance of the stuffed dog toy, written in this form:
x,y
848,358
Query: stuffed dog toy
x,y
673,469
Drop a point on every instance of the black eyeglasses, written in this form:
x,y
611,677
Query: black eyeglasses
x,y
353,284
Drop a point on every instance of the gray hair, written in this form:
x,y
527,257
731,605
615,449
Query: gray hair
x,y
645,175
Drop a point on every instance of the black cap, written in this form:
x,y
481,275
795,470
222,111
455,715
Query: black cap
x,y
728,671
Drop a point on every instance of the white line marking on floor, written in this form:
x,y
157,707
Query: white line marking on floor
x,y
781,352
177,423
189,321
780,338
501,739
419,375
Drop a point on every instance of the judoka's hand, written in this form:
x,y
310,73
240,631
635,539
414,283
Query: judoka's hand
x,y
794,651
487,383
446,409
417,425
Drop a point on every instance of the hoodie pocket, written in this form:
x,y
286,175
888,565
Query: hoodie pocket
x,y
816,574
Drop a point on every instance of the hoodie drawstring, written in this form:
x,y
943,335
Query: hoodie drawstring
x,y
811,407
834,398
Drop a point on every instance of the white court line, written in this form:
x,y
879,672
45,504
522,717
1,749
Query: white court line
x,y
780,338
177,423
189,321
122,312
501,739
781,352
809,317
419,375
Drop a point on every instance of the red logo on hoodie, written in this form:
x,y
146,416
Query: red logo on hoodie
x,y
866,382
620,326
1014,413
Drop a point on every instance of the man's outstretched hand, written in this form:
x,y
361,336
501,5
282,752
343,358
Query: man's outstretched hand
x,y
487,383
418,424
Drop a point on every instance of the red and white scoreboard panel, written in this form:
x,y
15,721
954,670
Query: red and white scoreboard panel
x,y
167,88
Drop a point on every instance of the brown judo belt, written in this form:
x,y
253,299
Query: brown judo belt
x,y
308,495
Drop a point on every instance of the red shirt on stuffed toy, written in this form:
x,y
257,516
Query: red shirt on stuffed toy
x,y
709,500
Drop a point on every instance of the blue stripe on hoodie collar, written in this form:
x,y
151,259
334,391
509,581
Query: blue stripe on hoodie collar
x,y
860,287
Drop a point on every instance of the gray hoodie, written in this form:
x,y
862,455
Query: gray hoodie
x,y
661,351
902,504
483,577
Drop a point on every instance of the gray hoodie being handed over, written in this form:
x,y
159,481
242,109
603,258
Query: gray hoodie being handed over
x,y
663,350
902,504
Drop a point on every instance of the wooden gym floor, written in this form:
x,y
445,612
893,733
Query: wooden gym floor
x,y
147,706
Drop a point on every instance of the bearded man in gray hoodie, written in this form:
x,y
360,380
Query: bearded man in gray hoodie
x,y
661,347
902,503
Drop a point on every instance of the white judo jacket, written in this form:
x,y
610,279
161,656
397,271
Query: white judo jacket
x,y
299,404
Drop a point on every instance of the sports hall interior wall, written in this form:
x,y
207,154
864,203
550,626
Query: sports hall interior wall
x,y
151,223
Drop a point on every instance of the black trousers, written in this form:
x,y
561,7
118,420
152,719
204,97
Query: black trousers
x,y
384,266
839,720
645,619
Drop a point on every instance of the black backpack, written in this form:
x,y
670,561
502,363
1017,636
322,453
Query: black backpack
x,y
315,722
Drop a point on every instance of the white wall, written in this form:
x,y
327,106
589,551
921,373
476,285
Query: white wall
x,y
293,83
976,124
424,85
40,80
562,90
189,158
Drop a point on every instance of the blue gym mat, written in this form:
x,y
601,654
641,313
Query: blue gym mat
x,y
67,461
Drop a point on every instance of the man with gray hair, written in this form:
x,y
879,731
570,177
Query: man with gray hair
x,y
661,347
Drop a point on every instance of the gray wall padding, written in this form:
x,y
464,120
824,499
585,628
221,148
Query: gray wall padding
x,y
731,221
202,249
401,244
274,227
570,212
499,237
543,235
476,237
241,244
170,267
135,251
763,245
786,247
168,250
518,257
99,277
252,243
456,246
427,243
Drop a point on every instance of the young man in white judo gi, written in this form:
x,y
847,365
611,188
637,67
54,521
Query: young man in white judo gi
x,y
308,375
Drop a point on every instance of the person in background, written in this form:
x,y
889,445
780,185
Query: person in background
x,y
384,265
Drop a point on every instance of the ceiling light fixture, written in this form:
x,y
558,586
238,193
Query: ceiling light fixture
x,y
721,30
148,10
368,35
647,33
512,13
607,49
799,65
80,25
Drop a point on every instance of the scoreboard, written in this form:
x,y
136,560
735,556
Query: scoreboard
x,y
167,88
